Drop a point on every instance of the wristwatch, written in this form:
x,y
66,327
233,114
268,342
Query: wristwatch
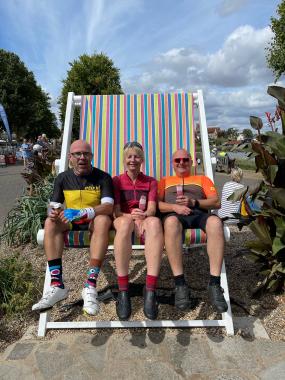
x,y
197,203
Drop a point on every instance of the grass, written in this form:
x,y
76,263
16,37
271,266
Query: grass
x,y
246,164
18,285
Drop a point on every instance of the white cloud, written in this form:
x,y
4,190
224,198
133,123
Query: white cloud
x,y
241,60
234,78
228,7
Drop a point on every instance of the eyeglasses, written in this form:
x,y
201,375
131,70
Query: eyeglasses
x,y
183,159
79,154
132,144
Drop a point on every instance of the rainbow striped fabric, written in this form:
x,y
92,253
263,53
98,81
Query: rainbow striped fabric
x,y
81,239
162,123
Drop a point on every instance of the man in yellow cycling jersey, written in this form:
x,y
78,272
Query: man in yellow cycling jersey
x,y
88,195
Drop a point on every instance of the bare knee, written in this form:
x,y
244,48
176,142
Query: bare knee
x,y
101,223
172,226
153,225
124,225
52,227
214,225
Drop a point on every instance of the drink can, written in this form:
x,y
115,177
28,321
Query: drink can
x,y
53,206
142,203
179,190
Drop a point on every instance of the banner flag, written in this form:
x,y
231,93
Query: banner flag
x,y
3,116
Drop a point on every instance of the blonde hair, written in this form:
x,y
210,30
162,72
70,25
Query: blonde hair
x,y
236,174
138,151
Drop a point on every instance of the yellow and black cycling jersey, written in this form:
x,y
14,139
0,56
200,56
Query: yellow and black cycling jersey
x,y
82,191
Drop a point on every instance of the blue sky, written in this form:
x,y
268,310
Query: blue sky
x,y
158,45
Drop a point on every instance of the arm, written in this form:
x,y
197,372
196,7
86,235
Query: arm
x,y
57,196
210,203
151,209
118,212
152,198
107,197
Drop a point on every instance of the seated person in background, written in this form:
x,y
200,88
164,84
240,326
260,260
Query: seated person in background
x,y
135,209
230,207
88,194
184,201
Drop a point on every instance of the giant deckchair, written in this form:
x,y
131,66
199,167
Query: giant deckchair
x,y
162,123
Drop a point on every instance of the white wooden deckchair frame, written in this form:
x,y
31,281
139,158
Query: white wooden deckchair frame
x,y
62,164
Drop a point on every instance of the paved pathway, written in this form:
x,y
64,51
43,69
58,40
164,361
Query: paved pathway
x,y
152,355
12,186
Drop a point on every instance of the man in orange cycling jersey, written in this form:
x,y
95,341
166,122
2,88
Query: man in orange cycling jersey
x,y
185,201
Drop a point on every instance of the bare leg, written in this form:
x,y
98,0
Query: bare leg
x,y
153,244
173,244
53,240
215,244
100,236
124,227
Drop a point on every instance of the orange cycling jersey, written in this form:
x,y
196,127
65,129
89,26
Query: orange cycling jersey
x,y
195,187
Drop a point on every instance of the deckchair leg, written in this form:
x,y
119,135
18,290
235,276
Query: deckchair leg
x,y
227,317
44,317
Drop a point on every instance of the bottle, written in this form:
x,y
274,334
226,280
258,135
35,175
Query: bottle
x,y
53,206
179,190
142,203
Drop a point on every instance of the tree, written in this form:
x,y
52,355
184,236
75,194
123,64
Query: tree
x,y
26,104
247,133
232,133
96,75
276,50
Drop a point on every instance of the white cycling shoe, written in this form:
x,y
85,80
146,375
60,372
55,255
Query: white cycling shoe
x,y
91,304
53,295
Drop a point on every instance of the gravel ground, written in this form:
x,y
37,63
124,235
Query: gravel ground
x,y
242,276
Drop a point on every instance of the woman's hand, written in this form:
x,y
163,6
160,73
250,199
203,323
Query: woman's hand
x,y
138,214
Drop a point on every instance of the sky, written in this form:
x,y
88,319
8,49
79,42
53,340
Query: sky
x,y
158,45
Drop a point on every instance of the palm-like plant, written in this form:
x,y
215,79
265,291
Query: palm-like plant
x,y
268,224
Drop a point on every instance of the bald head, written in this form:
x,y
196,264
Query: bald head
x,y
181,153
182,162
80,157
80,146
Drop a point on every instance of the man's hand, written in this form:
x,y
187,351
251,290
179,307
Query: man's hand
x,y
54,214
83,214
182,210
183,200
138,214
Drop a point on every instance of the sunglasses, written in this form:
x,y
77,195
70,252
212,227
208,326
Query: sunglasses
x,y
133,144
79,154
184,160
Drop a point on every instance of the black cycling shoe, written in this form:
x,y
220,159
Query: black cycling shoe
x,y
182,297
123,305
217,298
150,304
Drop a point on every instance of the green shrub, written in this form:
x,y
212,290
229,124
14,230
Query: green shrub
x,y
246,164
268,224
17,285
28,215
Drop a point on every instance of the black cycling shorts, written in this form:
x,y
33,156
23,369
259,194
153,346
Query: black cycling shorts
x,y
79,227
197,219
